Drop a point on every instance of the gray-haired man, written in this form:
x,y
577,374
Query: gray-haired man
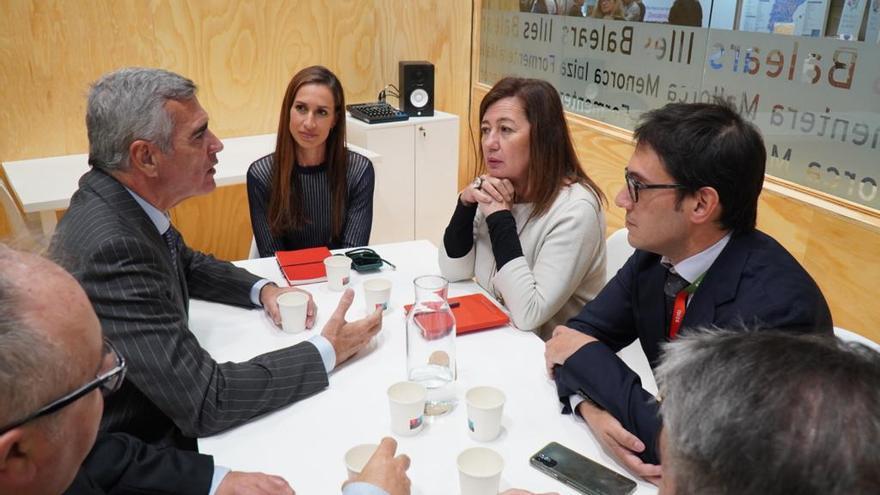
x,y
769,413
150,148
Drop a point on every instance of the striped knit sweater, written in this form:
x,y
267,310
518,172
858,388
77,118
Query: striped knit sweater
x,y
316,201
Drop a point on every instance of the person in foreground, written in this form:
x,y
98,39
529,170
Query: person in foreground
x,y
312,190
150,148
769,413
531,229
55,368
691,201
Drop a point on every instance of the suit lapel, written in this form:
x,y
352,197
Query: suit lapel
x,y
719,286
650,307
120,200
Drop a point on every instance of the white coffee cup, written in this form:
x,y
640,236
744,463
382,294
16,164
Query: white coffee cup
x,y
484,410
479,471
338,272
377,292
356,458
406,401
293,307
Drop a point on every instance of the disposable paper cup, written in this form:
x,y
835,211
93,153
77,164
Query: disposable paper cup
x,y
293,307
377,292
338,271
479,471
406,400
356,458
484,410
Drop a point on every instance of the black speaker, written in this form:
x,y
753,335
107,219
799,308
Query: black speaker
x,y
416,83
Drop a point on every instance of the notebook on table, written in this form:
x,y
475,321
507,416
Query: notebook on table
x,y
303,266
473,313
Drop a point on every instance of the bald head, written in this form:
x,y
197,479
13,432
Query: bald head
x,y
50,345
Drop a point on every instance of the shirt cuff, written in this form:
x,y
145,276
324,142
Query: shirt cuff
x,y
362,488
325,348
575,400
255,291
220,472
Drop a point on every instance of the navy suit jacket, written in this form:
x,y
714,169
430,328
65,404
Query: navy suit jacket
x,y
753,284
120,464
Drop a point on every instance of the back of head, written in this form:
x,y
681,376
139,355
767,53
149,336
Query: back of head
x,y
552,159
127,105
770,413
710,144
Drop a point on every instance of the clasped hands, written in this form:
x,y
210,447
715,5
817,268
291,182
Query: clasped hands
x,y
493,194
347,338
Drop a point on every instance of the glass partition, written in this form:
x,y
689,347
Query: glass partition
x,y
807,72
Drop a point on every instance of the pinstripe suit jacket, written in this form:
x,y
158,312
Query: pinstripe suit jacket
x,y
174,390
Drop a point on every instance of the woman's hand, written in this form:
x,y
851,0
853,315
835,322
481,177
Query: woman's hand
x,y
500,195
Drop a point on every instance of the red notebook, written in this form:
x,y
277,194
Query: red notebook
x,y
474,312
303,266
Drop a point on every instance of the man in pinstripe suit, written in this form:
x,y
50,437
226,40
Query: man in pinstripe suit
x,y
150,148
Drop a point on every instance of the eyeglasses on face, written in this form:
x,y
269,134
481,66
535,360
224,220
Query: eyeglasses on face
x,y
633,186
108,380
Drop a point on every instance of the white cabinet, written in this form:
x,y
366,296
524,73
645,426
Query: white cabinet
x,y
417,179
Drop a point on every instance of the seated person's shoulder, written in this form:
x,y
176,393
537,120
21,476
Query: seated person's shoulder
x,y
261,167
358,163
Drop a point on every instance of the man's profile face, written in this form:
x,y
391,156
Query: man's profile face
x,y
187,169
654,223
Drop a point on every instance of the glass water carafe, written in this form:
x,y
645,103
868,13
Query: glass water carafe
x,y
430,343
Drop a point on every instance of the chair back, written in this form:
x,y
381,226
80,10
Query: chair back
x,y
850,336
13,214
618,251
253,253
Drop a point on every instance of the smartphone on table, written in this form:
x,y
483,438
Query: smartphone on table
x,y
582,474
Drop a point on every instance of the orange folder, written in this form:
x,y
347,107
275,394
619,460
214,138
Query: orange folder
x,y
303,266
474,312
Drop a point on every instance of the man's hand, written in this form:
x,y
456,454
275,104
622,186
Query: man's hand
x,y
386,471
562,345
348,338
618,442
269,299
239,483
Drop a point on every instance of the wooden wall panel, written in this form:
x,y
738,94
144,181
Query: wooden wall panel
x,y
841,254
241,53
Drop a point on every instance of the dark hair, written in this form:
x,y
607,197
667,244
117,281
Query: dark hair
x,y
710,145
285,203
552,160
770,412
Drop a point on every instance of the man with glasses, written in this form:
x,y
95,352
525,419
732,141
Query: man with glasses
x,y
691,200
55,369
150,148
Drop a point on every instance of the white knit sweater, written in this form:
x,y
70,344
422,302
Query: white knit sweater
x,y
562,267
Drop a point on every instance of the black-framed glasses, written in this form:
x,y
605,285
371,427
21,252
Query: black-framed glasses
x,y
109,381
633,186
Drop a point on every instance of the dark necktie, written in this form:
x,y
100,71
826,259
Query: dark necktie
x,y
674,284
172,239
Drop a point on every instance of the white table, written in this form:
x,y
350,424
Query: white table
x,y
43,185
305,442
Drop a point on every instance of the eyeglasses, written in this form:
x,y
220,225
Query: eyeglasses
x,y
109,381
633,186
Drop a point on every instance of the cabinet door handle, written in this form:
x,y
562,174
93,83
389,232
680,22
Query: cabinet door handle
x,y
422,130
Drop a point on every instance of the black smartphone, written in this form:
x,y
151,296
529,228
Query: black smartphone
x,y
582,474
